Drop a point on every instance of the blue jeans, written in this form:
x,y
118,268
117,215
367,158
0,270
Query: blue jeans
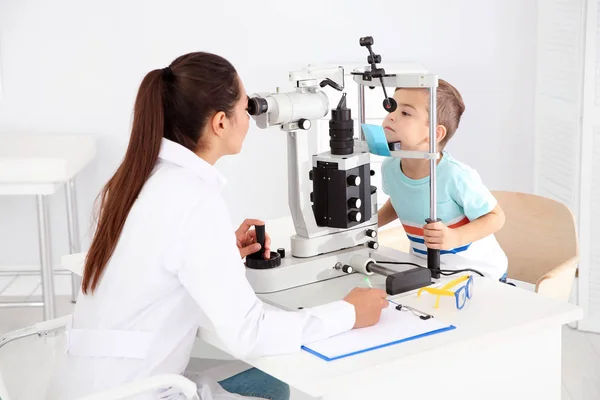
x,y
255,383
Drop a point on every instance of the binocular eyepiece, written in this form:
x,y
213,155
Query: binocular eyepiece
x,y
257,106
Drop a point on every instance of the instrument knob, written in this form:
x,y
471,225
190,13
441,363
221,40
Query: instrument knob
x,y
354,180
373,245
304,124
372,233
354,202
355,216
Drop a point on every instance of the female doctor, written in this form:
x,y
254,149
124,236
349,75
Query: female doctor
x,y
165,260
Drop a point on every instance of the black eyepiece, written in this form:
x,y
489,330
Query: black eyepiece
x,y
257,105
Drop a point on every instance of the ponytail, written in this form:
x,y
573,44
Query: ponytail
x,y
175,103
121,191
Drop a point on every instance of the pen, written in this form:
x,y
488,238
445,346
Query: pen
x,y
416,312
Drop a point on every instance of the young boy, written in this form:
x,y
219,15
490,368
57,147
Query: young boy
x,y
469,213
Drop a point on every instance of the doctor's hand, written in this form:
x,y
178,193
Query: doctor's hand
x,y
246,239
368,304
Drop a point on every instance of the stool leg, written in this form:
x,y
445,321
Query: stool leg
x,y
74,243
46,258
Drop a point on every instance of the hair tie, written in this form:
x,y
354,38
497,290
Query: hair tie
x,y
167,74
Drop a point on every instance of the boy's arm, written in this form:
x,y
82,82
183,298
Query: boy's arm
x,y
479,206
439,236
386,214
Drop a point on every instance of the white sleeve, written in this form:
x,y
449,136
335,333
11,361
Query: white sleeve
x,y
213,273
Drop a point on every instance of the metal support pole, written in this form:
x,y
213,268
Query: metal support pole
x,y
433,256
46,257
380,269
361,110
74,241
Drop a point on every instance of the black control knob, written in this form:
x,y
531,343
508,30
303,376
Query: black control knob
x,y
372,173
354,180
347,269
372,233
366,41
281,252
355,216
354,202
373,245
310,174
312,197
304,124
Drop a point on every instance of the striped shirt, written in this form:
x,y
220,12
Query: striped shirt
x,y
461,197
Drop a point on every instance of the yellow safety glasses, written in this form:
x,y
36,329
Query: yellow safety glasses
x,y
461,294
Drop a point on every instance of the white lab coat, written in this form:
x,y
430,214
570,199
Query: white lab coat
x,y
177,268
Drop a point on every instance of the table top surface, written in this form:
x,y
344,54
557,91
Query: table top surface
x,y
34,159
496,312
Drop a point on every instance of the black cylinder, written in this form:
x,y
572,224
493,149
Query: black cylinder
x,y
433,262
341,132
260,236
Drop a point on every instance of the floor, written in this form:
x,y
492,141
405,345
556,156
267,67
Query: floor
x,y
581,351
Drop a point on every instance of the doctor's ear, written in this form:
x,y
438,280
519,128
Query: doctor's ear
x,y
219,123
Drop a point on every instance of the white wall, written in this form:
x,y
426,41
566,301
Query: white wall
x,y
74,67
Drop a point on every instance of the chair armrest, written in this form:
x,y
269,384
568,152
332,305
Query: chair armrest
x,y
40,328
186,386
558,282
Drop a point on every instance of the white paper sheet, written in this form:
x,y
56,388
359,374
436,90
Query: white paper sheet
x,y
393,328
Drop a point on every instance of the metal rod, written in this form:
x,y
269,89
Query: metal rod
x,y
361,110
74,243
432,150
28,272
46,257
433,255
380,269
10,304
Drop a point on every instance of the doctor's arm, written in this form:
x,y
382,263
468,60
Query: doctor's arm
x,y
214,275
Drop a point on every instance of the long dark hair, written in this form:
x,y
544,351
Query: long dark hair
x,y
175,103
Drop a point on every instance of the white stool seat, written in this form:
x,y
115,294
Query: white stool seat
x,y
39,165
43,159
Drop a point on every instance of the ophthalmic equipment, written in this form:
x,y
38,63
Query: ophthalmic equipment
x,y
332,202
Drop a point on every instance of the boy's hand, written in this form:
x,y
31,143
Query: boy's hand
x,y
439,236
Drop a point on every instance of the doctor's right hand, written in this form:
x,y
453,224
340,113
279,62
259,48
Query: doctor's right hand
x,y
368,304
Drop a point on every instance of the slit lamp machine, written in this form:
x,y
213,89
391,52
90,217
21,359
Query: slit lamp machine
x,y
332,202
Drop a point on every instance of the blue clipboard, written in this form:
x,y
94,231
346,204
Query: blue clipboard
x,y
394,327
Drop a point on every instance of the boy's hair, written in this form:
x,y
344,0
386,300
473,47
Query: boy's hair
x,y
450,108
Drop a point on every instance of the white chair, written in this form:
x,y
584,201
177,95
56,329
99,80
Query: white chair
x,y
39,166
25,375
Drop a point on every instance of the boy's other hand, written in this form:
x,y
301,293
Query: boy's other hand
x,y
439,236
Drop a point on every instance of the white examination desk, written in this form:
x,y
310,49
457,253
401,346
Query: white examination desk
x,y
506,345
